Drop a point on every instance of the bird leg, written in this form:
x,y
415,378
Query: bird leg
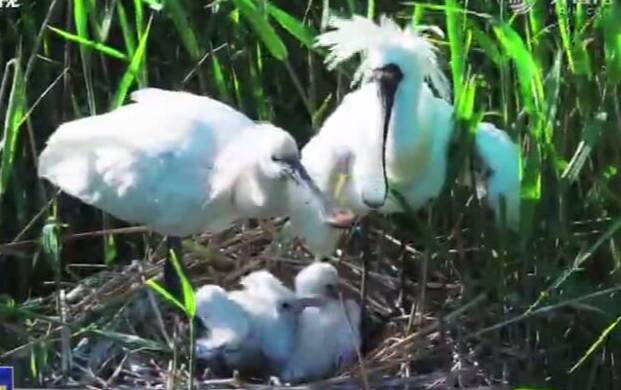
x,y
401,299
364,247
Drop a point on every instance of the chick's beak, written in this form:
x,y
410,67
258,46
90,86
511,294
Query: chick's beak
x,y
302,303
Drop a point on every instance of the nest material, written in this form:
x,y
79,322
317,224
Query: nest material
x,y
118,334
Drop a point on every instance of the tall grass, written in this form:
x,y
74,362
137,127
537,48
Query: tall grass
x,y
549,76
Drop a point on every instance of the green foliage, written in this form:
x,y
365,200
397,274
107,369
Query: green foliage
x,y
136,66
549,76
12,121
86,43
189,300
264,30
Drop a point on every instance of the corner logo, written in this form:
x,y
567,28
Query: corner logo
x,y
9,4
521,6
6,378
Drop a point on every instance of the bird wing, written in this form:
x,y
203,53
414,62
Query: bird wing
x,y
325,341
227,321
346,323
149,162
312,355
502,156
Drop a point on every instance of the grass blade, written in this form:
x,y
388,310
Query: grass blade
x,y
529,74
612,41
51,244
133,70
128,34
370,9
186,287
600,340
218,76
168,297
16,109
590,137
417,14
259,24
487,44
83,42
456,42
304,34
560,7
80,15
180,18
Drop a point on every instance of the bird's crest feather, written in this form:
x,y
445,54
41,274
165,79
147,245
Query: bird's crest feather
x,y
361,35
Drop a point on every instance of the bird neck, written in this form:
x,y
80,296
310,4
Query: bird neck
x,y
409,144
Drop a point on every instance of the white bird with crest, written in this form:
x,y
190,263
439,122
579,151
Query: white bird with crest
x,y
182,164
328,335
392,133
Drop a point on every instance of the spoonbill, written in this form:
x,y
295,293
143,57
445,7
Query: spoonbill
x,y
253,329
182,164
392,133
329,335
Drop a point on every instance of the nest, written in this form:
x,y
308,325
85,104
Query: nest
x,y
115,333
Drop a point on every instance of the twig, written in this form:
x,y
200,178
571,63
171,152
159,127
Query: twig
x,y
76,236
542,310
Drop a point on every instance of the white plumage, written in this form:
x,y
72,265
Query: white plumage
x,y
380,44
178,163
229,328
392,133
329,335
252,329
502,157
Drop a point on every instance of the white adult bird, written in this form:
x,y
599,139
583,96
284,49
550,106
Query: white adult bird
x,y
392,133
329,335
253,329
181,164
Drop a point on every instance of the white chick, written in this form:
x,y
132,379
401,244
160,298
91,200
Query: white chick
x,y
274,312
329,335
230,330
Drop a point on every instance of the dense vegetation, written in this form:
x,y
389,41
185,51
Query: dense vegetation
x,y
547,72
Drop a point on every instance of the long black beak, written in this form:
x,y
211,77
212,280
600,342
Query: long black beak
x,y
332,215
388,78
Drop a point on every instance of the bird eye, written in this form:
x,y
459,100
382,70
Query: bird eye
x,y
332,290
285,306
285,157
